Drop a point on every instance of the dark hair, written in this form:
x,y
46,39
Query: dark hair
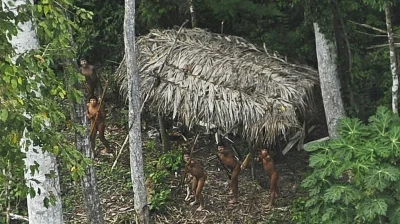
x,y
265,148
94,97
221,143
83,57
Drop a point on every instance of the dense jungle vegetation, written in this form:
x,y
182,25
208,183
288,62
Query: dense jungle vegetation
x,y
350,179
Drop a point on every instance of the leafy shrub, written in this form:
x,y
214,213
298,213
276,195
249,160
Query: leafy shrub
x,y
159,174
355,177
299,212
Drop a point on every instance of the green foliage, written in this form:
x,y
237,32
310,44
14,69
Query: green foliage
x,y
299,212
355,177
377,4
100,36
320,12
160,170
31,96
162,14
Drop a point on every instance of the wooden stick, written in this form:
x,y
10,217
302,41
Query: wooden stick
x,y
122,147
120,151
191,151
17,217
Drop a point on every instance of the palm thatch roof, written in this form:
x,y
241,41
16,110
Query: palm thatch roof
x,y
222,80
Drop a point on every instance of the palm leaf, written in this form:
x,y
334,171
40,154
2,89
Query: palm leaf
x,y
222,80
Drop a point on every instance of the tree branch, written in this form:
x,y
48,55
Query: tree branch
x,y
370,34
382,45
17,217
370,27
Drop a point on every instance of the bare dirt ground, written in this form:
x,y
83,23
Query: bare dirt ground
x,y
117,197
253,195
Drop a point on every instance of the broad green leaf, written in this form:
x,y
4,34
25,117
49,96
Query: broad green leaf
x,y
380,177
345,193
53,92
46,9
61,94
20,101
333,193
4,115
318,160
351,129
394,214
370,208
6,79
329,214
8,71
14,83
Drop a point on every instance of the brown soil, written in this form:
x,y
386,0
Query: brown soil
x,y
253,195
117,197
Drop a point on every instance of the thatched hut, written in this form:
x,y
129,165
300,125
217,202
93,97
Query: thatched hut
x,y
222,80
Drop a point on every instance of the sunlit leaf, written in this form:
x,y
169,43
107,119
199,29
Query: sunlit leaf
x,y
4,115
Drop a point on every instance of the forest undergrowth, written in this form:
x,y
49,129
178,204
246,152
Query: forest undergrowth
x,y
170,207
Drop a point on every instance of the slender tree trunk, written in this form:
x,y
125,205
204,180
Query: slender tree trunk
x,y
135,140
44,186
89,181
192,13
90,190
329,79
163,131
44,181
344,61
7,187
393,59
252,163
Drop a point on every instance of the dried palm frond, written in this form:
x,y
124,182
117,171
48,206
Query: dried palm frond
x,y
222,80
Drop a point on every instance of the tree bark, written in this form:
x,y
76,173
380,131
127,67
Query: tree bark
x,y
329,79
89,181
44,181
90,190
163,131
48,187
393,59
192,13
135,140
252,163
344,60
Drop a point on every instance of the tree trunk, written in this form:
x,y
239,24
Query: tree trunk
x,y
44,181
49,187
89,181
344,61
393,59
329,79
192,13
135,140
163,131
252,163
90,190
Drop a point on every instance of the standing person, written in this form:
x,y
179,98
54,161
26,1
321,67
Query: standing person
x,y
228,159
92,81
199,177
97,116
270,169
